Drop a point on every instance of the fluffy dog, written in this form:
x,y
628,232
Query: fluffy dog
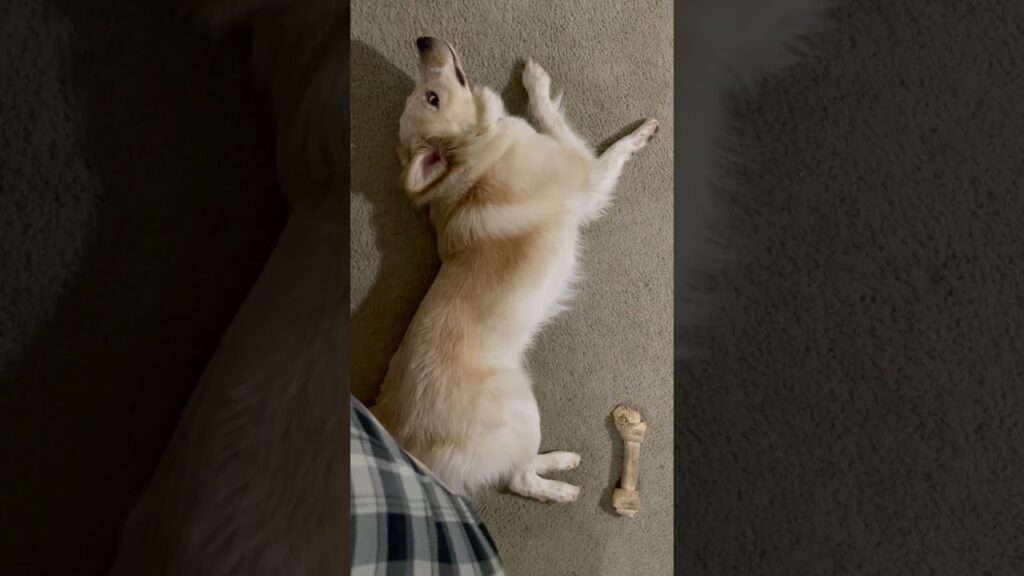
x,y
508,203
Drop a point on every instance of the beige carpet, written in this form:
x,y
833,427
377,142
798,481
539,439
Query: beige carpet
x,y
614,62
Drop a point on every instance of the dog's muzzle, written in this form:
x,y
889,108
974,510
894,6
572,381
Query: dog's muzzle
x,y
424,43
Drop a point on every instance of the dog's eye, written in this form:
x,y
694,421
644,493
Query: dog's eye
x,y
433,100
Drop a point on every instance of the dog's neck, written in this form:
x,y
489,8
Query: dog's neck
x,y
453,238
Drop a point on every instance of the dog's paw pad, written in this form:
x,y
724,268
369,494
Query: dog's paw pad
x,y
535,78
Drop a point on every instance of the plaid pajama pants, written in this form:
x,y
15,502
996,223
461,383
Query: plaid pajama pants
x,y
404,522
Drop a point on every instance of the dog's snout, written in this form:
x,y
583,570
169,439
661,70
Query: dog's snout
x,y
424,43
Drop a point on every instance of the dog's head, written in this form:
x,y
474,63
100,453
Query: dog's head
x,y
441,106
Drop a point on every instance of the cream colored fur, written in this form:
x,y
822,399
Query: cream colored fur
x,y
508,203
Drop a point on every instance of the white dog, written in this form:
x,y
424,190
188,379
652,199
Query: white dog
x,y
508,203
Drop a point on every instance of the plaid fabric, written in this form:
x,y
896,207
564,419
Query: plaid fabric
x,y
405,522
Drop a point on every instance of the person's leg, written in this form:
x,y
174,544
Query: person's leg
x,y
404,520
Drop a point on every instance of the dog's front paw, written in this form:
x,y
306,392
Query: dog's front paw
x,y
646,131
536,80
639,138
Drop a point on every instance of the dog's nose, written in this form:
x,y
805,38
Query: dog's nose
x,y
424,43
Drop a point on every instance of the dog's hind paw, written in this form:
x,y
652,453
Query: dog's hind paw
x,y
564,493
532,486
556,462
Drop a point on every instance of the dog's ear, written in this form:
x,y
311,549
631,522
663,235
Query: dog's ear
x,y
403,155
427,165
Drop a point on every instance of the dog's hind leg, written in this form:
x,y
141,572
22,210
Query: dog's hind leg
x,y
548,113
555,462
608,169
512,442
527,482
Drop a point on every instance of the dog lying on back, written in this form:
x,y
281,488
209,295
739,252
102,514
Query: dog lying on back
x,y
508,203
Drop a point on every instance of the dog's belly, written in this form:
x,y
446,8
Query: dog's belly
x,y
545,297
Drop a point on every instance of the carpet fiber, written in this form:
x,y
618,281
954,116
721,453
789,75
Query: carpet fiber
x,y
137,206
858,408
614,63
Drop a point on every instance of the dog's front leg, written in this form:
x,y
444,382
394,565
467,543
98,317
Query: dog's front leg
x,y
608,169
547,112
490,108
